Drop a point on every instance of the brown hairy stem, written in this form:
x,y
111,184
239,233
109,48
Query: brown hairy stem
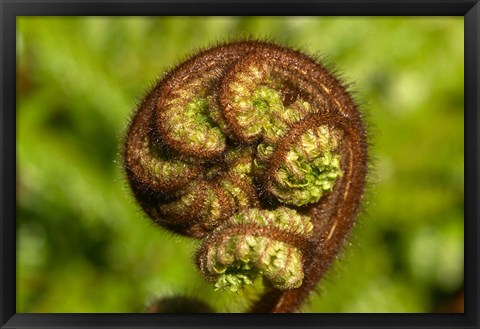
x,y
333,218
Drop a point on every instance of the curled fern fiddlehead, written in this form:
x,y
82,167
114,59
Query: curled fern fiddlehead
x,y
261,152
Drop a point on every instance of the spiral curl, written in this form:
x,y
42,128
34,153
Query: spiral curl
x,y
260,151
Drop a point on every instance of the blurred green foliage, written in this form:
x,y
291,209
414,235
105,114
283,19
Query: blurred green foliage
x,y
84,246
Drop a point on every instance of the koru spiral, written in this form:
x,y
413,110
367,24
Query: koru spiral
x,y
261,152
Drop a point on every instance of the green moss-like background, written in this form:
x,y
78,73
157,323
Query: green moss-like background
x,y
83,245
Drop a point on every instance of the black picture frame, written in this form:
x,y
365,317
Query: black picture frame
x,y
10,9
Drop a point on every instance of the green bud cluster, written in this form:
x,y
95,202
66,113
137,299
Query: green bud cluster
x,y
232,258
